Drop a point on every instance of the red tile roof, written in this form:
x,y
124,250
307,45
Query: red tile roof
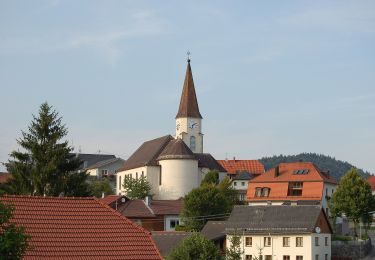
x,y
110,199
166,207
235,166
79,228
313,182
371,180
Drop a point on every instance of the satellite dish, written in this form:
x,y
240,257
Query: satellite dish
x,y
317,230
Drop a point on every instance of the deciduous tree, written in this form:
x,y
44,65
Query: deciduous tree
x,y
353,198
13,240
195,247
136,188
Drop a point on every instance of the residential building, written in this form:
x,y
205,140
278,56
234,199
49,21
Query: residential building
x,y
281,232
166,241
233,167
106,168
173,165
153,215
371,181
295,183
215,231
78,228
4,177
240,183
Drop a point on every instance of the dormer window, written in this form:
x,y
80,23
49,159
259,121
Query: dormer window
x,y
262,192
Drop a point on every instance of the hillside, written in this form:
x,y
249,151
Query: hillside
x,y
336,168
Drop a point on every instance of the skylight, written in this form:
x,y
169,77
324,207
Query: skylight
x,y
299,172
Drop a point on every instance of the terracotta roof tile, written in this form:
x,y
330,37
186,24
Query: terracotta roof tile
x,y
313,182
79,228
235,166
371,180
166,207
136,209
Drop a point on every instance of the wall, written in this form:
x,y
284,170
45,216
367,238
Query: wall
x,y
179,177
184,132
308,250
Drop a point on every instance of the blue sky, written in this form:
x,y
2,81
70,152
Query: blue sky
x,y
272,77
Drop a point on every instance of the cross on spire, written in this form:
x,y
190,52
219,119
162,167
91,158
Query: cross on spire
x,y
188,55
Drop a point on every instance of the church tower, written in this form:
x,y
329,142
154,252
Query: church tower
x,y
188,118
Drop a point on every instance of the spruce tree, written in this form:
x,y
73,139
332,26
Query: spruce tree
x,y
45,164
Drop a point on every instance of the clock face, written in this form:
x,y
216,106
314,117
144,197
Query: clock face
x,y
193,124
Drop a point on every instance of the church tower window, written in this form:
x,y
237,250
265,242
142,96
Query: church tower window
x,y
192,143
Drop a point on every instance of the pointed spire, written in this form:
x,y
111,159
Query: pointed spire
x,y
188,103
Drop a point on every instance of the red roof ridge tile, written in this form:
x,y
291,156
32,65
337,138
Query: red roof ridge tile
x,y
46,197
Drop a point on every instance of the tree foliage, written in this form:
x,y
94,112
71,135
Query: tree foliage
x,y
195,247
13,240
207,202
97,187
353,198
336,167
212,177
136,188
234,252
45,165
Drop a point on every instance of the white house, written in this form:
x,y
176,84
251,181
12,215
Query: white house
x,y
173,165
281,232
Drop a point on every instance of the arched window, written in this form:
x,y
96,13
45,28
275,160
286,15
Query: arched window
x,y
192,143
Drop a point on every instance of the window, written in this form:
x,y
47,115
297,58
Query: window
x,y
295,188
327,211
268,257
317,241
243,183
286,241
192,143
174,222
234,183
262,192
286,257
326,257
136,175
267,241
104,172
242,197
160,177
248,241
119,182
143,174
299,241
299,257
249,257
316,257
326,241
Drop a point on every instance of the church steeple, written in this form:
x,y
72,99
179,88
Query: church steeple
x,y
188,103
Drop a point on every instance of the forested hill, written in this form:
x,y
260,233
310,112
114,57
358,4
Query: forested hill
x,y
336,168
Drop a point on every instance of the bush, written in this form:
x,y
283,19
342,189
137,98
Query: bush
x,y
341,238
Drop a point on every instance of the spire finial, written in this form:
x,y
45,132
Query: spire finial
x,y
188,54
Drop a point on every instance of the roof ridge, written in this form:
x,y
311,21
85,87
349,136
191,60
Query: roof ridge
x,y
46,197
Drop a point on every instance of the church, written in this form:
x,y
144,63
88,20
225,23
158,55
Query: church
x,y
173,165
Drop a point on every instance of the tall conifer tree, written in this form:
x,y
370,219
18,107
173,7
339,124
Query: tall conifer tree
x,y
46,166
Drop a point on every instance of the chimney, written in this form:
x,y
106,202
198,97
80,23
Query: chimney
x,y
148,200
103,194
234,158
277,171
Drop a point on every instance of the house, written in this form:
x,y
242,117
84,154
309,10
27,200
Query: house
x,y
153,215
215,231
78,228
292,183
281,232
240,183
173,165
4,177
100,165
371,181
233,167
166,241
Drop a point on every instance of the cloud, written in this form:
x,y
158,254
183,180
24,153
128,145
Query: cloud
x,y
108,43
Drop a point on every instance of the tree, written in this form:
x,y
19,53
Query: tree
x,y
353,198
209,201
46,165
234,252
97,188
13,240
195,247
211,177
136,188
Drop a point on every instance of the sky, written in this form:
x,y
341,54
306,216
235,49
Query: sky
x,y
272,77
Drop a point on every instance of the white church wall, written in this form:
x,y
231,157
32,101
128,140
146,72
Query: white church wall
x,y
179,177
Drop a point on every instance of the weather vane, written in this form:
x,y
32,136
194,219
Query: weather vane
x,y
188,54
